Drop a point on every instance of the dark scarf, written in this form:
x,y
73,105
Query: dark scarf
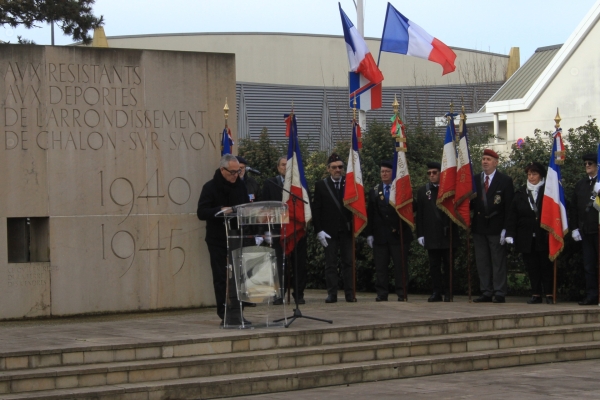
x,y
232,194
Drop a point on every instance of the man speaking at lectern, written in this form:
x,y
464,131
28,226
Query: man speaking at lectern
x,y
222,192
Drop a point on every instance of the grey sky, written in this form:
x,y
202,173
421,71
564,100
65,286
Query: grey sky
x,y
487,25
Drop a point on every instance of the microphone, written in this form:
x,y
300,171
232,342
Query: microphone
x,y
254,171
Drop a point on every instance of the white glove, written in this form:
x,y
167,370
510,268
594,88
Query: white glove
x,y
421,241
502,235
258,240
370,240
268,238
576,235
597,187
322,236
509,240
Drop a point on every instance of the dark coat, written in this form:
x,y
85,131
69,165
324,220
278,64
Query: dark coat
x,y
218,193
252,188
492,221
432,223
272,192
583,215
327,216
383,220
522,222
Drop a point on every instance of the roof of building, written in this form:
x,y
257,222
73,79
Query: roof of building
x,y
519,84
536,83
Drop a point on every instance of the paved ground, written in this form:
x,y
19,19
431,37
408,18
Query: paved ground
x,y
45,334
568,380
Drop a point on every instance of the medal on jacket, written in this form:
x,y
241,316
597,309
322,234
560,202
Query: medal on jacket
x,y
428,194
497,199
381,197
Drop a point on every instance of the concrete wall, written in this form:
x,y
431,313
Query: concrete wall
x,y
319,60
112,147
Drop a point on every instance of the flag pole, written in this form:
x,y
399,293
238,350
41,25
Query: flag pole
x,y
463,121
396,105
557,126
353,227
450,263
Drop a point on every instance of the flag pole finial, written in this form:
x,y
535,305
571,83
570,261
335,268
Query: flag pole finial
x,y
395,105
463,120
557,119
354,108
451,106
226,111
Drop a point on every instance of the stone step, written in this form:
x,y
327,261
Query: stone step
x,y
276,359
322,375
234,342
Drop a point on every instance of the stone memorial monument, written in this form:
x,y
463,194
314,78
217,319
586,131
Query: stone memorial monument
x,y
104,153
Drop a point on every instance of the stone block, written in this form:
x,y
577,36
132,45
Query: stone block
x,y
577,337
378,374
72,358
4,387
348,337
154,374
192,371
240,345
485,325
484,344
402,352
450,367
98,356
500,362
198,349
92,380
546,357
263,343
287,362
31,385
527,359
355,356
124,354
365,334
458,347
505,323
550,339
17,362
66,382
571,355
309,360
331,358
407,371
2,363
518,341
44,360
457,327
423,369
25,286
591,354
441,348
285,341
481,364
116,378
382,333
384,354
167,352
419,350
331,338
147,353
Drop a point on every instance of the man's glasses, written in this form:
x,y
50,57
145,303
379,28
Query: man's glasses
x,y
337,167
430,173
233,172
589,163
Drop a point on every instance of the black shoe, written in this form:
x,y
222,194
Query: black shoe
x,y
588,302
350,299
278,302
549,300
381,298
434,298
300,298
247,304
447,299
499,299
332,298
483,299
535,300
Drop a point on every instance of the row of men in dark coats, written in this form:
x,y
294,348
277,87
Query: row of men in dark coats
x,y
499,216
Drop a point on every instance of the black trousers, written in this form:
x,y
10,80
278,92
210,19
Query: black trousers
x,y
382,253
300,251
539,268
439,267
341,242
590,264
218,265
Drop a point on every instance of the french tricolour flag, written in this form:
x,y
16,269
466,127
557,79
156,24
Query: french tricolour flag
x,y
295,182
354,194
401,197
365,77
554,214
465,182
400,35
445,200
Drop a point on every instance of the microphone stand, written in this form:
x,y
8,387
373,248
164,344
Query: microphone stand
x,y
297,313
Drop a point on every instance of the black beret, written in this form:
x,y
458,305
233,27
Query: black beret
x,y
536,167
241,160
590,157
434,165
333,158
387,163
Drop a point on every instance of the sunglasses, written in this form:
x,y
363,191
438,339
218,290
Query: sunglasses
x,y
337,167
588,163
430,173
233,172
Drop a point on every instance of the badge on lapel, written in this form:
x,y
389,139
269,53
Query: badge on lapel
x,y
497,199
428,194
381,197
